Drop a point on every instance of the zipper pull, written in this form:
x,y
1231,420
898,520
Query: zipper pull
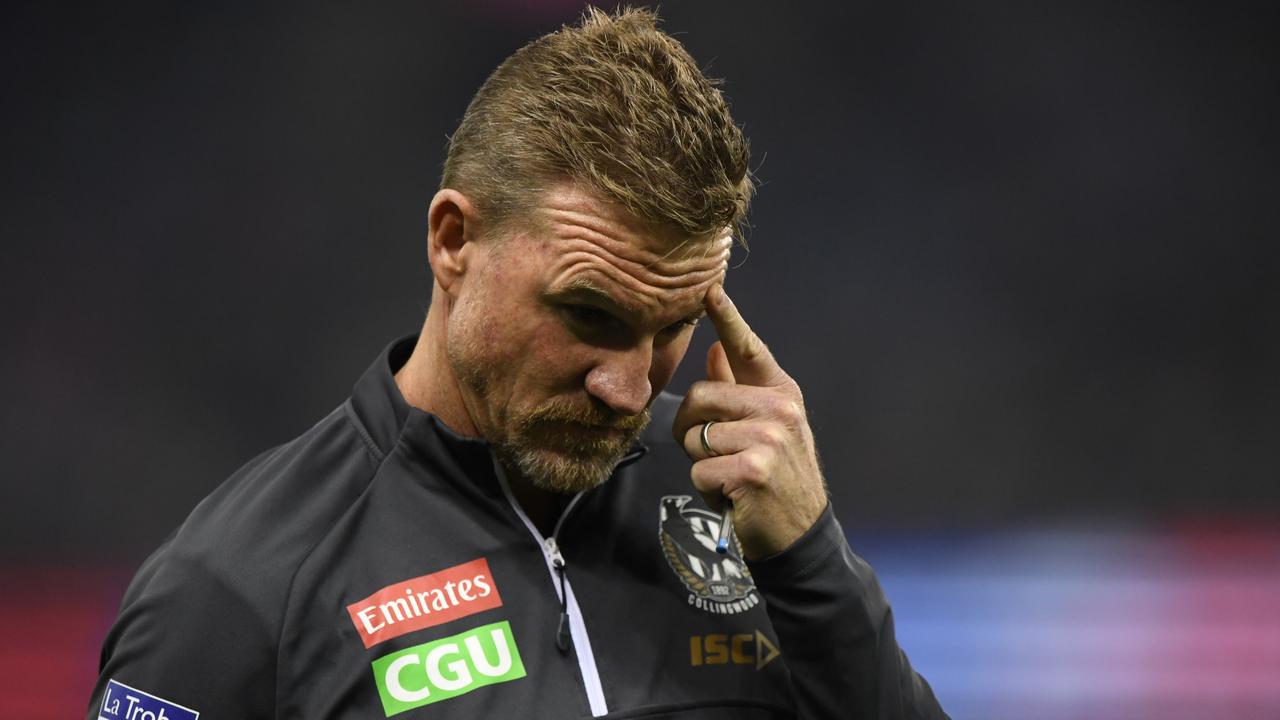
x,y
553,551
564,639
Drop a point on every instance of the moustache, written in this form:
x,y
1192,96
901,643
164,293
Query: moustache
x,y
571,413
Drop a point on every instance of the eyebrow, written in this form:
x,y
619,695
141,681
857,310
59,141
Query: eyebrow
x,y
584,289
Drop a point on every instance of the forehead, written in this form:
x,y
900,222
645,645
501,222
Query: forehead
x,y
587,242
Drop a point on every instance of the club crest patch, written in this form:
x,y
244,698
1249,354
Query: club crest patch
x,y
718,584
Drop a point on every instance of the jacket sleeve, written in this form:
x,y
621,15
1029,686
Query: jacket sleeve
x,y
191,637
835,630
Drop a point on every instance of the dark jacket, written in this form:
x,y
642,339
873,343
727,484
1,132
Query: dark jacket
x,y
377,565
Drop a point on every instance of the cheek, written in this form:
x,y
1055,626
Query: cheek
x,y
556,351
528,356
482,334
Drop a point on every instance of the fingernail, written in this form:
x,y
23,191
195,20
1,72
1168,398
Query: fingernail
x,y
716,295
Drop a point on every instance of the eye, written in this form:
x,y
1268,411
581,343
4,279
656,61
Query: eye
x,y
674,328
588,317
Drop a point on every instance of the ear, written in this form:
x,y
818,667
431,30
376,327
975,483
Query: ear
x,y
452,228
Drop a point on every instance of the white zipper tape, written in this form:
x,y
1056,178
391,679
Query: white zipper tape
x,y
577,628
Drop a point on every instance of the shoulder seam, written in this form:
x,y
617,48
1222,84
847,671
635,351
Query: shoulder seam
x,y
378,458
363,432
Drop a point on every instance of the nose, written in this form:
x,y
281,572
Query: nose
x,y
621,380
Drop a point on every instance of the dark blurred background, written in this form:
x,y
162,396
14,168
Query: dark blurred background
x,y
1021,256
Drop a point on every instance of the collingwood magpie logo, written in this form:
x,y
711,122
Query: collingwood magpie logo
x,y
719,584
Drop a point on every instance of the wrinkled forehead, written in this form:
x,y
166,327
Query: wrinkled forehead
x,y
601,246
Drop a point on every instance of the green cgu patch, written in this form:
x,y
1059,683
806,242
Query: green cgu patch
x,y
447,668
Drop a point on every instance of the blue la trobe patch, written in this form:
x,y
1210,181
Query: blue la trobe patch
x,y
121,702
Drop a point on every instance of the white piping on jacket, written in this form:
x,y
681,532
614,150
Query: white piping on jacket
x,y
577,629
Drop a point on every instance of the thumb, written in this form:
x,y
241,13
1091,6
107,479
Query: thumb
x,y
718,368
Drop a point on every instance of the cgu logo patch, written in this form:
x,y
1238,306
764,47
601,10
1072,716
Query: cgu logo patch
x,y
719,584
425,601
447,668
121,702
723,649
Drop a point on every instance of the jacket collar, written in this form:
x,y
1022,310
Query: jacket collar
x,y
387,419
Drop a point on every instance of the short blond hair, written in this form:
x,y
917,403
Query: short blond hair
x,y
616,105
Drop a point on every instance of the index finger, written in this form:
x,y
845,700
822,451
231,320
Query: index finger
x,y
750,359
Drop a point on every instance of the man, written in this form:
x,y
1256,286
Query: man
x,y
499,522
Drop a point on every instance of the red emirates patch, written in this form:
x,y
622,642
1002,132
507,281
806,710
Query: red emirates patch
x,y
425,601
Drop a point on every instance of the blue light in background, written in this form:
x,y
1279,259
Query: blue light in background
x,y
1082,623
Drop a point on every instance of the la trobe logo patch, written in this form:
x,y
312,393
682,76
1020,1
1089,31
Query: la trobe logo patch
x,y
718,584
122,702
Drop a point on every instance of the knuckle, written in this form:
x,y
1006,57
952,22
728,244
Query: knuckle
x,y
777,405
703,479
774,435
753,468
681,429
795,412
789,411
689,440
686,415
794,388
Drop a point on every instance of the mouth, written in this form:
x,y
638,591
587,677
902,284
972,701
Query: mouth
x,y
581,436
582,432
601,431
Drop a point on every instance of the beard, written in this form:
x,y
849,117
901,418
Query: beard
x,y
560,445
564,447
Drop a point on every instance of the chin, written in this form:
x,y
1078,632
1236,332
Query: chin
x,y
562,473
565,450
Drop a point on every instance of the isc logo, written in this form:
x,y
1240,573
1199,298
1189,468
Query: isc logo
x,y
723,649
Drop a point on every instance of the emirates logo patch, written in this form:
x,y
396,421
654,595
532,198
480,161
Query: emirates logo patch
x,y
718,584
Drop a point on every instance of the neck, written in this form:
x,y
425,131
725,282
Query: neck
x,y
543,508
428,383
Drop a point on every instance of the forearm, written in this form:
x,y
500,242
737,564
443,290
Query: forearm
x,y
835,630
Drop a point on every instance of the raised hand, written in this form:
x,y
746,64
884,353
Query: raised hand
x,y
763,458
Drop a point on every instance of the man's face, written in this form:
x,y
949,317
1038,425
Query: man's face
x,y
562,335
